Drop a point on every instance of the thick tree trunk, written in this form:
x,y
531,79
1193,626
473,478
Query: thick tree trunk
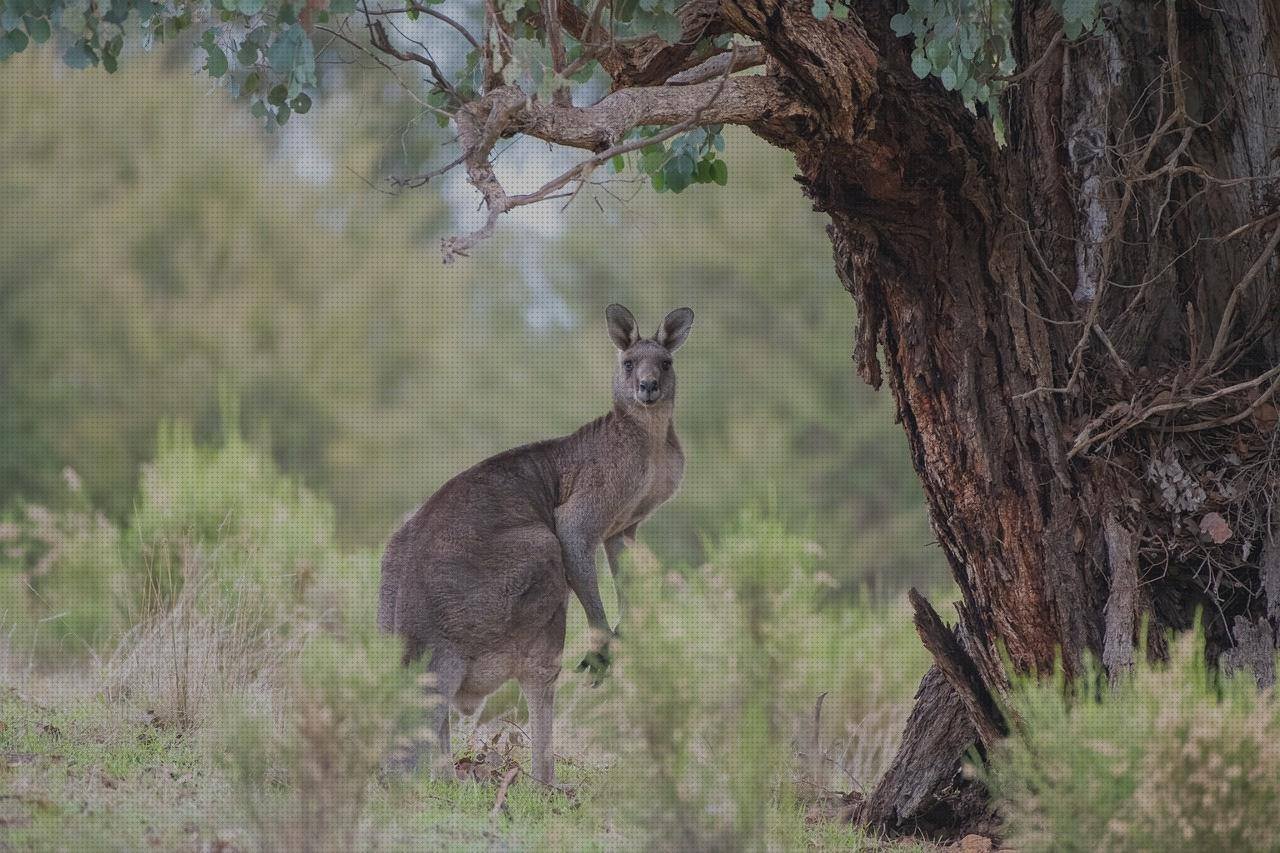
x,y
1080,329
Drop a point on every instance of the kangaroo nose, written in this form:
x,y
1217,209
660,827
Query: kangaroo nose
x,y
648,386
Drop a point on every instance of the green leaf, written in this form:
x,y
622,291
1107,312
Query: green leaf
x,y
619,162
17,40
282,114
247,54
662,23
216,62
346,7
901,24
301,103
38,29
652,159
920,64
840,12
80,55
948,76
251,83
277,96
258,110
720,172
11,16
821,9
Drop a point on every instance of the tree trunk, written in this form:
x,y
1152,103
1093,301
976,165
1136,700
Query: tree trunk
x,y
1079,327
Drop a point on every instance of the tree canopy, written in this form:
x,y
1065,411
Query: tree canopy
x,y
643,85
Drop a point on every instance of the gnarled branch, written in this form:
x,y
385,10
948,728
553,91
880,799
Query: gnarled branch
x,y
601,129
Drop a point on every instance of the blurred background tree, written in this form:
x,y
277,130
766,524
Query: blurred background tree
x,y
159,243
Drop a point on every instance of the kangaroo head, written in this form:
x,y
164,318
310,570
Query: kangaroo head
x,y
646,375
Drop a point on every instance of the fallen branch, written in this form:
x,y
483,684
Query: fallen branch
x,y
500,801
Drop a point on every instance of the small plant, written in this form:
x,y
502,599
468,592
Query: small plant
x,y
227,506
65,576
1173,757
301,764
694,708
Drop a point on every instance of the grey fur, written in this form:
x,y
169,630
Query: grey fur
x,y
480,575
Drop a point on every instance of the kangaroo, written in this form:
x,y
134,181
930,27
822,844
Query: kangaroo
x,y
480,575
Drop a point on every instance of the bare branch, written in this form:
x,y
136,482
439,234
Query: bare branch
x,y
601,129
1228,313
739,60
740,100
422,180
431,13
378,38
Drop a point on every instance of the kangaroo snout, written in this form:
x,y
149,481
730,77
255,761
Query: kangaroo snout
x,y
648,391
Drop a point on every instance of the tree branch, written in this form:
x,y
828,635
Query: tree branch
x,y
431,13
601,129
378,38
740,100
648,60
735,60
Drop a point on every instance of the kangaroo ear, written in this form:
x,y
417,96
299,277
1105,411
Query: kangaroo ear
x,y
622,327
673,331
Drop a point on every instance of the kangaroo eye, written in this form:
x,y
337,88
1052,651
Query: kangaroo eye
x,y
666,365
628,364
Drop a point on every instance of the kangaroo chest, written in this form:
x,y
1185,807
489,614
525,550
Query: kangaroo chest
x,y
662,473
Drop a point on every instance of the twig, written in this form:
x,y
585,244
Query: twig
x,y
422,180
432,13
500,801
378,38
1228,312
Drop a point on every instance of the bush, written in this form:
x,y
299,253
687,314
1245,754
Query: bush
x,y
228,507
1173,757
301,758
710,709
66,582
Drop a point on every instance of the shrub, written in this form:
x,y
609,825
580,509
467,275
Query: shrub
x,y
710,706
66,583
1174,756
229,507
301,758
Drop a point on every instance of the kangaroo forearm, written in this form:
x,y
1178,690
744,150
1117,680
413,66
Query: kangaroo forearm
x,y
581,570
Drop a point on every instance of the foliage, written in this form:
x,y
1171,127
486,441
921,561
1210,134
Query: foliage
x,y
715,680
301,773
964,42
231,507
265,51
689,158
65,579
1174,756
